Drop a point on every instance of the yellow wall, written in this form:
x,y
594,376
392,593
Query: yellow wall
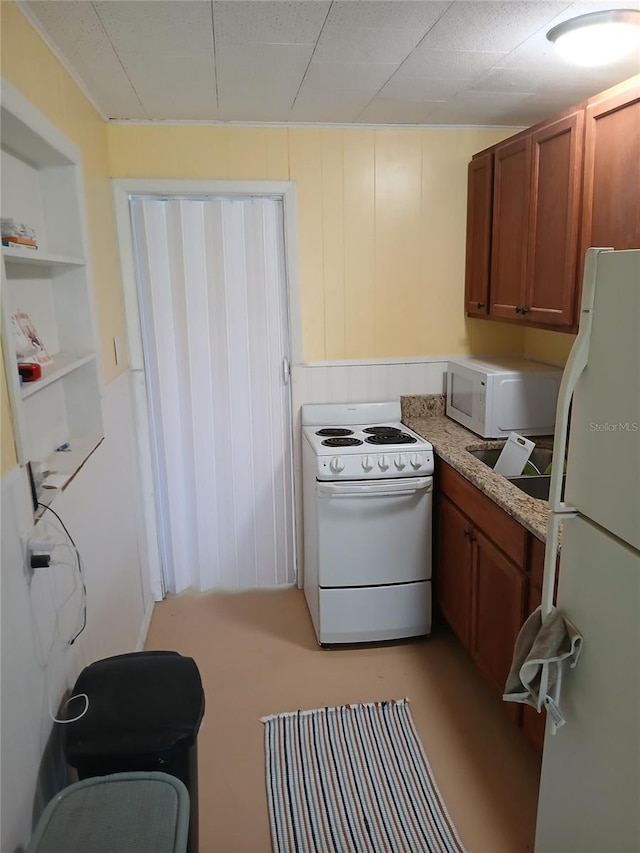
x,y
382,217
550,346
29,65
8,459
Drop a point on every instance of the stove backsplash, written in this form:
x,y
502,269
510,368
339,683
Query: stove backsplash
x,y
422,406
365,382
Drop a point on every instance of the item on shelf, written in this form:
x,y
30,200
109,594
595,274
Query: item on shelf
x,y
29,371
23,242
11,228
29,348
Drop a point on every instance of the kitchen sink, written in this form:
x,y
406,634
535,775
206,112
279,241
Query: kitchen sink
x,y
540,458
534,485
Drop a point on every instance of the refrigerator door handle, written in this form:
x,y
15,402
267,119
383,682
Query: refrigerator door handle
x,y
550,558
576,363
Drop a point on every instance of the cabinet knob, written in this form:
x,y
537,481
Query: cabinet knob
x,y
518,309
524,310
480,304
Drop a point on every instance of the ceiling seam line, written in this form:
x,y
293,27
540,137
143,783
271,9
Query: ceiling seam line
x,y
122,65
313,53
406,59
497,65
215,56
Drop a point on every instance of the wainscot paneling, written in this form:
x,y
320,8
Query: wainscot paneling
x,y
365,382
101,508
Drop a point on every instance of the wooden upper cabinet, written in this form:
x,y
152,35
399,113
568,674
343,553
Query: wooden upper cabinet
x,y
558,188
511,186
556,180
479,211
611,199
535,224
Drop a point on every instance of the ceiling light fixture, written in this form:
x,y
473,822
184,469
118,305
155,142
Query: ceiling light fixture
x,y
597,38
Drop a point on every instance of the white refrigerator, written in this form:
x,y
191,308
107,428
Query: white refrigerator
x,y
589,798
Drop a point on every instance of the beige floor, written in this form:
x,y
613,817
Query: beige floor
x,y
257,655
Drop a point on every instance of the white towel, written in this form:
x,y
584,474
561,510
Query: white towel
x,y
536,670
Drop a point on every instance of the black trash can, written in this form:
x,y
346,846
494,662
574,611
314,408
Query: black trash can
x,y
144,713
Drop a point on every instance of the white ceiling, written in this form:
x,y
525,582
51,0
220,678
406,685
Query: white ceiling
x,y
423,62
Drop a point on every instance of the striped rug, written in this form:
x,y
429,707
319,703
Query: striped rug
x,y
353,778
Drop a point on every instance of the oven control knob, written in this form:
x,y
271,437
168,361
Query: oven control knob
x,y
336,464
400,461
383,464
367,463
416,461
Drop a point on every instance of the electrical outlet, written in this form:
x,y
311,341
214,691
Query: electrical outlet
x,y
33,548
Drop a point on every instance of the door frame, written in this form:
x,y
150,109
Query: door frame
x,y
122,189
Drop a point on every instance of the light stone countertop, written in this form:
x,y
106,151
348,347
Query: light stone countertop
x,y
425,415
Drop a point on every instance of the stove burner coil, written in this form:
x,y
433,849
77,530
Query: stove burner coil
x,y
334,431
341,442
394,438
383,430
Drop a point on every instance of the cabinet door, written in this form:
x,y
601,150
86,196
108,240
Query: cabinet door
x,y
479,210
611,197
533,723
556,170
453,579
510,235
497,609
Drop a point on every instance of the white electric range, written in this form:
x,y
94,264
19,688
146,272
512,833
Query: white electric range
x,y
368,490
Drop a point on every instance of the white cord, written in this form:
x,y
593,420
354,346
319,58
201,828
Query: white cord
x,y
69,545
70,699
78,578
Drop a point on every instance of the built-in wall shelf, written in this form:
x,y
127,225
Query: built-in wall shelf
x,y
63,363
42,187
63,465
35,256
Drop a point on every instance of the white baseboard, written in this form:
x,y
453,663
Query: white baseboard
x,y
144,628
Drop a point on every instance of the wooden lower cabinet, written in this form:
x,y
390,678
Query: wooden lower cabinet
x,y
498,606
483,586
455,577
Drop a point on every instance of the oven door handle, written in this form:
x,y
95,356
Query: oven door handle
x,y
379,489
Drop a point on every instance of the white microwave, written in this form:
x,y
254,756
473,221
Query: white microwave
x,y
495,396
